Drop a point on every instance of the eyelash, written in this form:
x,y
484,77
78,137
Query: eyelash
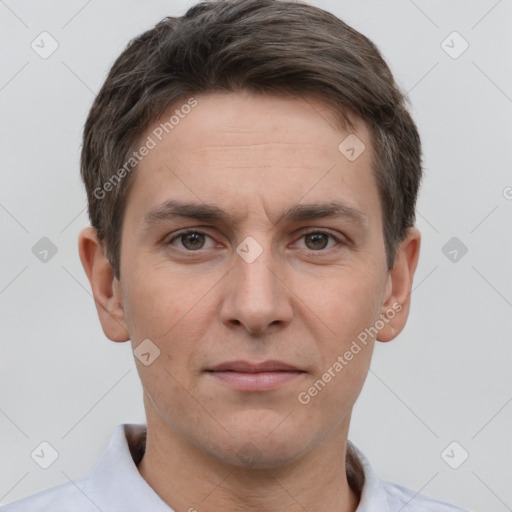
x,y
338,240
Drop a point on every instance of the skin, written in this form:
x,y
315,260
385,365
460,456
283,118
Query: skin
x,y
255,157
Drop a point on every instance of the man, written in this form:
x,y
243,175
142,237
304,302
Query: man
x,y
252,174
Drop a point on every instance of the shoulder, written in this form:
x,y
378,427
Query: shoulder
x,y
399,495
67,497
379,496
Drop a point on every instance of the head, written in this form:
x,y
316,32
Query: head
x,y
252,173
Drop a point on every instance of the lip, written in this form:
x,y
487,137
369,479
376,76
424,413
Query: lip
x,y
246,376
247,367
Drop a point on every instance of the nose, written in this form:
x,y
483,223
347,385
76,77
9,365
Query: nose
x,y
255,296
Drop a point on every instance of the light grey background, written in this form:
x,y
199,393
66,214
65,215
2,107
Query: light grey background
x,y
446,378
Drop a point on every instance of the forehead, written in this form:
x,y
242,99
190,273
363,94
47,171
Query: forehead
x,y
245,120
238,146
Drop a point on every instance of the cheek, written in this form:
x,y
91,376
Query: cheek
x,y
349,306
346,303
174,313
328,400
169,392
162,304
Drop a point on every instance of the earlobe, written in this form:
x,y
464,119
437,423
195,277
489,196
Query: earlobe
x,y
107,297
395,309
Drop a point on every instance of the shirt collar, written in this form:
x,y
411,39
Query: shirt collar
x,y
116,484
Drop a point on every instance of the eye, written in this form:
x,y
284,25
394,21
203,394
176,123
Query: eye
x,y
319,240
192,241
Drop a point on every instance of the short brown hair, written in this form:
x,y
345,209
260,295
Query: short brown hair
x,y
267,46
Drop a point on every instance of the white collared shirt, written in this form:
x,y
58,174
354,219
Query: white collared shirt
x,y
115,485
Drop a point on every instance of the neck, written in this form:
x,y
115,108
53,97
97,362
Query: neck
x,y
189,479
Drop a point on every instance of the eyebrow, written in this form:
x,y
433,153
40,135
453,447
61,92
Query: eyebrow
x,y
172,209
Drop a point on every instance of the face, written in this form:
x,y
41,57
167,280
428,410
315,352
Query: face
x,y
250,239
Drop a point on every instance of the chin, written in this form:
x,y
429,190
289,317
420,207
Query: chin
x,y
252,449
254,456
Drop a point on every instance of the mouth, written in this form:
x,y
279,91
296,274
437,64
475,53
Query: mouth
x,y
247,376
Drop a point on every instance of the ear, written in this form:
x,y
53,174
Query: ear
x,y
105,287
395,309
